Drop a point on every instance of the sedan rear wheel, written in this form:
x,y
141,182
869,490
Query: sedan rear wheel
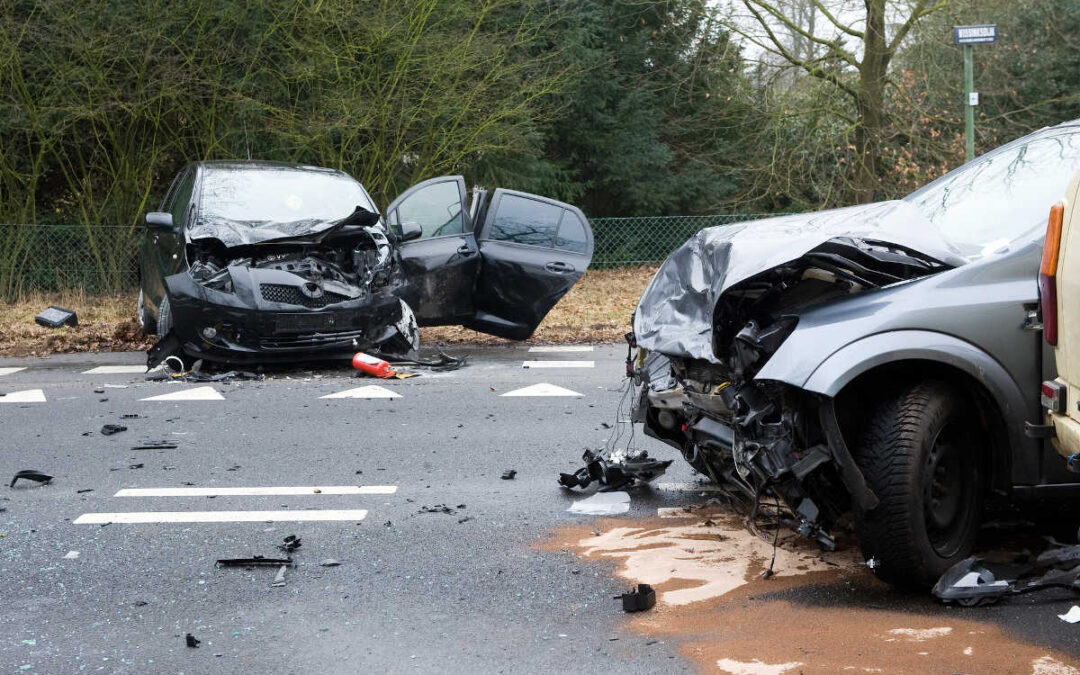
x,y
919,454
164,319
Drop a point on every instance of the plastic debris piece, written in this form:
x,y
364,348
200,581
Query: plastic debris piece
x,y
110,429
279,578
438,508
329,562
155,445
640,600
290,544
257,561
71,555
135,466
602,504
615,473
191,641
30,474
55,317
508,474
1071,616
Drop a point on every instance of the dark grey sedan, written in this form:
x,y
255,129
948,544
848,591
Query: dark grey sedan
x,y
882,359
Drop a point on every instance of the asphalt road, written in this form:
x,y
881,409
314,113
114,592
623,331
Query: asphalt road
x,y
415,591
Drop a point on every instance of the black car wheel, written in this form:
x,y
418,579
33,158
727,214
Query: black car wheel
x,y
919,454
164,318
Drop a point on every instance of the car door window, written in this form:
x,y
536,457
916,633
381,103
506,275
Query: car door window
x,y
571,236
525,221
182,198
435,208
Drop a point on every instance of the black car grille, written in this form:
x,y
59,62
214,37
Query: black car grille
x,y
291,295
310,340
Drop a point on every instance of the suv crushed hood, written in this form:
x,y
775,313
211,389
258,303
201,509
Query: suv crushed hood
x,y
675,315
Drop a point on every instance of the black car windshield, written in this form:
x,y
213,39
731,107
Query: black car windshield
x,y
1003,196
261,195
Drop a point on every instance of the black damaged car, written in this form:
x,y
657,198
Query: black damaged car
x,y
261,262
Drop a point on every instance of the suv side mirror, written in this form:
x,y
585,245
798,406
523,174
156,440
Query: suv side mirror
x,y
411,230
159,220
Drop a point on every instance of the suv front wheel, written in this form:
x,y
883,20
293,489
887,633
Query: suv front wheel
x,y
920,456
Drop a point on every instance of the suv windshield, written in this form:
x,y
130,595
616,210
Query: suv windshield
x,y
275,195
998,198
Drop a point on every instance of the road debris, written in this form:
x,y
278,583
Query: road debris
x,y
31,474
640,600
55,317
71,555
973,581
602,504
440,508
112,429
155,445
1071,616
257,561
372,366
615,470
329,562
279,578
508,474
191,641
290,544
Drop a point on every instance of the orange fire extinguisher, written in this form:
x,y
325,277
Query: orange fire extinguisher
x,y
372,366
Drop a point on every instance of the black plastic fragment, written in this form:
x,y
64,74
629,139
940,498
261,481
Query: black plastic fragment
x,y
30,474
191,641
257,561
291,543
55,317
640,600
615,474
972,582
155,445
508,474
170,345
110,429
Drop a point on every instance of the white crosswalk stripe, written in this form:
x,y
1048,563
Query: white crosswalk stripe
x,y
556,349
115,370
27,396
558,364
194,394
11,370
257,491
220,516
370,391
542,389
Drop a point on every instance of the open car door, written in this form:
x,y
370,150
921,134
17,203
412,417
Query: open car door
x,y
438,269
532,250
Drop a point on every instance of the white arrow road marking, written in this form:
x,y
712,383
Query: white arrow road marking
x,y
27,396
558,364
219,516
195,394
256,491
370,391
115,370
11,370
542,389
552,349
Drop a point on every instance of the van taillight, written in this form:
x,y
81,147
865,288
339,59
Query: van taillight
x,y
1048,274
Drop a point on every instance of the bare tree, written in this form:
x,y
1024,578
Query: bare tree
x,y
861,73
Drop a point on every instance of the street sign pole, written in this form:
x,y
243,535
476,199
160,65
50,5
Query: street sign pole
x,y
968,36
969,109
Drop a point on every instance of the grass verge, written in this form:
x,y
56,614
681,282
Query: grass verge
x,y
597,309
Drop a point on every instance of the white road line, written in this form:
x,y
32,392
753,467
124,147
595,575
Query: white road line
x,y
10,370
27,396
542,389
256,491
370,391
115,370
219,516
558,364
195,394
554,349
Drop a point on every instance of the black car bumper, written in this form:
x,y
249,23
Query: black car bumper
x,y
243,327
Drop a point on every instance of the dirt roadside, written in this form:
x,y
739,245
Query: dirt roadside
x,y
819,612
597,309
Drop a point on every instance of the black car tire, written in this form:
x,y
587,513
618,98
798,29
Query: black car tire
x,y
146,322
919,455
164,318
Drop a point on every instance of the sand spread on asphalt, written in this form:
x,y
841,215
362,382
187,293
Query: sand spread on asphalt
x,y
819,613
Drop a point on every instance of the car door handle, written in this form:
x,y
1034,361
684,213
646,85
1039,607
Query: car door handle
x,y
559,266
465,250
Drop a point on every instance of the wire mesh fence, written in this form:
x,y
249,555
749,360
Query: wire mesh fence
x,y
103,259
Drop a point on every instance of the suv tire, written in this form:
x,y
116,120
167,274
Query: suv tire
x,y
919,454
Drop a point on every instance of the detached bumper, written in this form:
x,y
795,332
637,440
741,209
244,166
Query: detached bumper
x,y
241,327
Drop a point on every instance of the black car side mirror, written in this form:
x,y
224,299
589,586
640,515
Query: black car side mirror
x,y
159,220
411,230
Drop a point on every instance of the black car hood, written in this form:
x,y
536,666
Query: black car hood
x,y
675,313
233,233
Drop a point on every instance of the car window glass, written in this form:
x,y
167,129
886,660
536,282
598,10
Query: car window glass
x,y
1003,195
525,221
436,208
257,196
182,198
571,235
